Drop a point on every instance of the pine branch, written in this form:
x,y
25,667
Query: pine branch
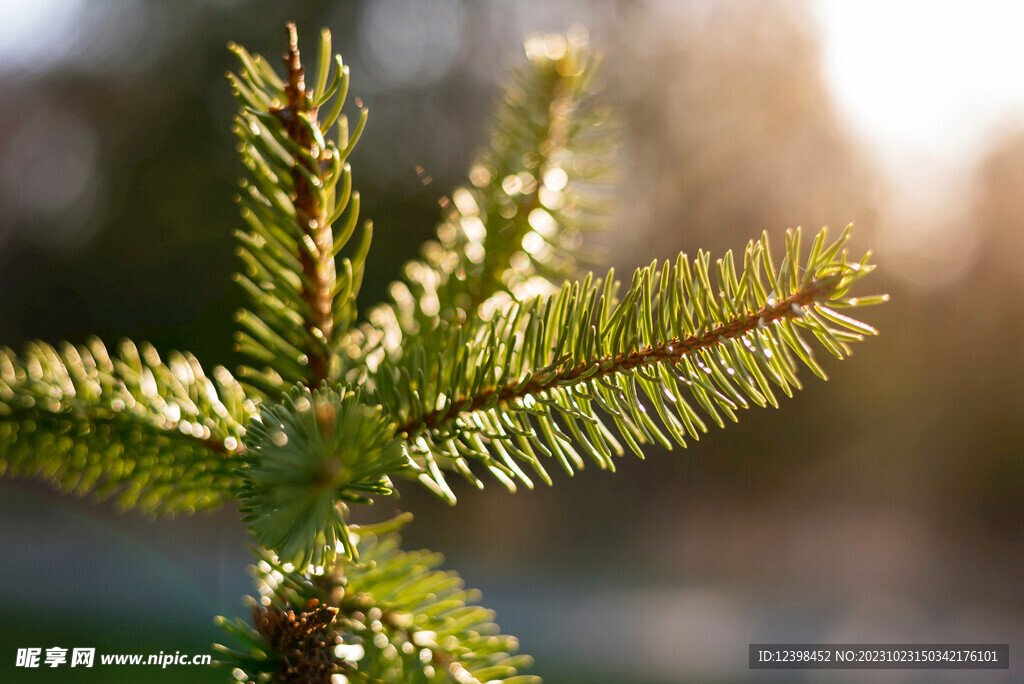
x,y
302,288
162,436
475,367
392,617
468,367
317,265
307,459
550,378
516,227
671,352
545,377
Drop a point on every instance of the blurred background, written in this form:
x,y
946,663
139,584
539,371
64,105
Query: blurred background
x,y
884,506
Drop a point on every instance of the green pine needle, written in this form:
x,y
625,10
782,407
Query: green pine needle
x,y
481,360
393,616
515,229
301,270
586,373
307,458
160,436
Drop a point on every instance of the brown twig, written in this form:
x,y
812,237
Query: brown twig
x,y
317,268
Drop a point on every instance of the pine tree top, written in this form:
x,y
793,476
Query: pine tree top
x,y
490,356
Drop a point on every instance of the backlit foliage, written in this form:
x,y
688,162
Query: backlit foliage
x,y
491,355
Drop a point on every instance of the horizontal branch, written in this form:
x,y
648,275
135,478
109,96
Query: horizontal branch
x,y
554,374
160,435
671,351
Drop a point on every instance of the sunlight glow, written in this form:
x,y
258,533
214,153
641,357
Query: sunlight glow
x,y
935,76
927,88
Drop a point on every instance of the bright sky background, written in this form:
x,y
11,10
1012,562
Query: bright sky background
x,y
927,87
910,76
933,78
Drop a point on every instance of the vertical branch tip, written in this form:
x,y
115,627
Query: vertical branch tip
x,y
296,88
